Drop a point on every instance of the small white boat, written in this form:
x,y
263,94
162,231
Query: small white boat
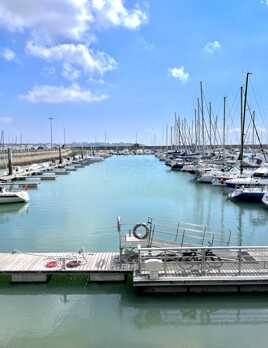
x,y
48,176
61,171
93,159
13,196
70,168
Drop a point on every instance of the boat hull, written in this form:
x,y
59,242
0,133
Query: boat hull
x,y
255,197
13,199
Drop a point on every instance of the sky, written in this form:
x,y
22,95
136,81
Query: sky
x,y
122,68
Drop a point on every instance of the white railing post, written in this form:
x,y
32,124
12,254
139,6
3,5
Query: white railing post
x,y
165,262
182,238
239,261
203,261
139,259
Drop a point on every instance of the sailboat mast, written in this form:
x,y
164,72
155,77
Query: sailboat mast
x,y
179,131
171,141
243,115
195,128
210,125
167,137
253,130
202,115
224,126
198,121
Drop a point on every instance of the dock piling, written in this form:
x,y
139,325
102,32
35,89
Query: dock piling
x,y
10,167
60,155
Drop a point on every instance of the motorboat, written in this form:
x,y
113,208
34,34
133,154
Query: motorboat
x,y
177,164
249,181
257,178
248,194
7,196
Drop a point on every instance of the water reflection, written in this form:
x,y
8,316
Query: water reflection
x,y
7,211
14,208
146,311
113,316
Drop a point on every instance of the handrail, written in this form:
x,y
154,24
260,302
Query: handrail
x,y
204,247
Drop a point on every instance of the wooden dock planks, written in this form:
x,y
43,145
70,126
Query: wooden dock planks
x,y
105,266
36,262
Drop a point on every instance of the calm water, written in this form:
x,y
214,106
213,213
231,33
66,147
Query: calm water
x,y
79,210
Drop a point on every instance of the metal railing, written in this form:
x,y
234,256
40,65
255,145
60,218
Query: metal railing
x,y
202,261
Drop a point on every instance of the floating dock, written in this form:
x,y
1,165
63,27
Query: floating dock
x,y
151,265
176,270
38,267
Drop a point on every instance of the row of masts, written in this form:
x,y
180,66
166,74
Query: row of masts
x,y
198,133
205,132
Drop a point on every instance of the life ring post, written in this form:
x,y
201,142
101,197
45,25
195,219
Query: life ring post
x,y
118,224
120,242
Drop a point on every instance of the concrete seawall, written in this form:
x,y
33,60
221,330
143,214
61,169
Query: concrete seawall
x,y
29,157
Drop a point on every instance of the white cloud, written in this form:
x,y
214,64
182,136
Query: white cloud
x,y
70,73
179,73
264,2
61,94
114,12
67,18
63,31
6,119
74,58
8,54
212,47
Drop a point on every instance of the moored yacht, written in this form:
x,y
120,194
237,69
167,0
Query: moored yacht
x,y
248,194
13,196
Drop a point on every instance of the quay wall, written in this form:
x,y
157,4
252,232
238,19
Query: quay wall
x,y
30,157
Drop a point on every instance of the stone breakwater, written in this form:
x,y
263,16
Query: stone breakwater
x,y
30,157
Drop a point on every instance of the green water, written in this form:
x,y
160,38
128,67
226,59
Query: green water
x,y
79,210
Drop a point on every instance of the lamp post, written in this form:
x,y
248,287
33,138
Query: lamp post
x,y
51,132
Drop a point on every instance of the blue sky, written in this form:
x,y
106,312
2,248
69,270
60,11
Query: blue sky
x,y
125,67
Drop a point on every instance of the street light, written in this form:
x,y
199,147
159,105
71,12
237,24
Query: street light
x,y
51,143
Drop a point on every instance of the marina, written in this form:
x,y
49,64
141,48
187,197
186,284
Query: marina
x,y
133,174
172,256
91,237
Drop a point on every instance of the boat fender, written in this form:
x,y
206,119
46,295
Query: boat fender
x,y
51,264
73,263
138,235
